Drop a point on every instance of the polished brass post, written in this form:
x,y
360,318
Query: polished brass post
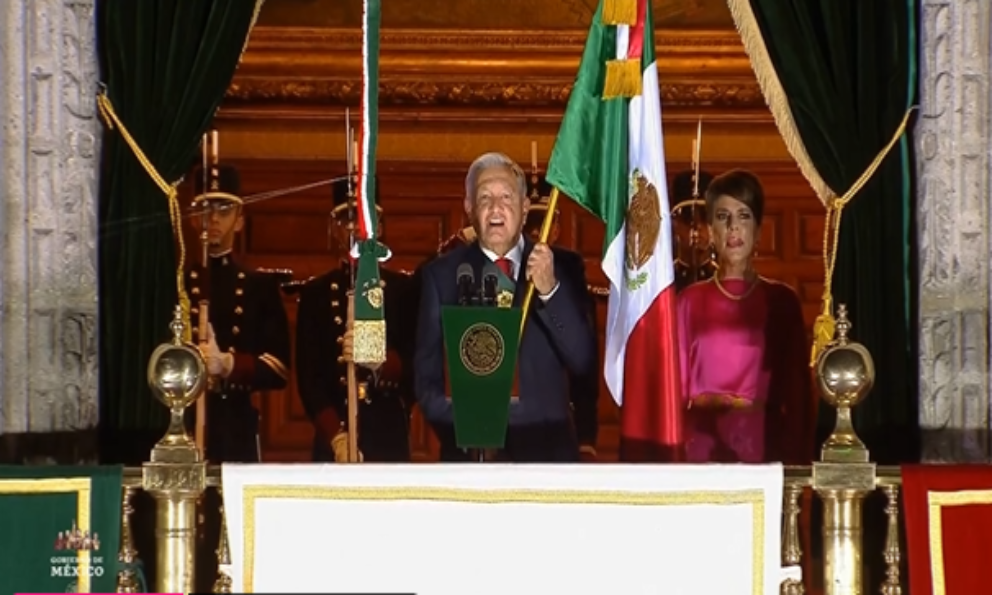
x,y
176,476
844,475
127,580
792,551
223,582
892,552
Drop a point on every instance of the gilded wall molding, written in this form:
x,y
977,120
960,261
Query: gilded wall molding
x,y
477,68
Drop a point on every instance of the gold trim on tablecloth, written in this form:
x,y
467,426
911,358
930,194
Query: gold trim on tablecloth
x,y
936,501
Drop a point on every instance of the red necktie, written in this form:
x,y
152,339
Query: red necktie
x,y
505,265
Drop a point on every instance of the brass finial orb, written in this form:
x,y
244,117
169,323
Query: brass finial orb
x,y
845,373
177,375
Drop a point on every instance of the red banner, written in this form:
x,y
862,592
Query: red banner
x,y
948,511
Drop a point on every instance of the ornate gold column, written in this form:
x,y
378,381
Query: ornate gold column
x,y
176,474
844,475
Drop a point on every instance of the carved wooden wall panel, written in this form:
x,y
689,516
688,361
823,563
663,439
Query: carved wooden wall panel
x,y
423,203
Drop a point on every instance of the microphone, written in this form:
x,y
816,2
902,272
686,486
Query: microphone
x,y
466,284
490,281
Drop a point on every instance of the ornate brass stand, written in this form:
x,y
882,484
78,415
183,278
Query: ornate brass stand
x,y
844,475
176,475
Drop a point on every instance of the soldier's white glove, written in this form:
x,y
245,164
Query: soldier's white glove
x,y
218,363
339,444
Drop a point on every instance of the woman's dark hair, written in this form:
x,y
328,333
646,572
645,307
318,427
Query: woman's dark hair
x,y
738,184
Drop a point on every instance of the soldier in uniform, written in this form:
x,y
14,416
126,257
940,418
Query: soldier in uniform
x,y
465,235
584,391
690,231
247,347
384,413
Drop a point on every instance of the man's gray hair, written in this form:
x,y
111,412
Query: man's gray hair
x,y
491,160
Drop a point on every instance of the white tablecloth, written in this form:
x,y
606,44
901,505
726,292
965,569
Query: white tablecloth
x,y
499,529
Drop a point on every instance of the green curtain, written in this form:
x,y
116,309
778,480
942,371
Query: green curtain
x,y
166,65
848,68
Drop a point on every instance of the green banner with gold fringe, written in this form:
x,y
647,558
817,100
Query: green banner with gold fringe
x,y
60,529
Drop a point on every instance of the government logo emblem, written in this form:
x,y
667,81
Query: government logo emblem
x,y
482,349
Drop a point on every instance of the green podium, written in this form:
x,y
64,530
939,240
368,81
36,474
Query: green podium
x,y
481,346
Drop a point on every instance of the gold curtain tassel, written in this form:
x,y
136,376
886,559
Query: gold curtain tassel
x,y
623,79
823,330
619,12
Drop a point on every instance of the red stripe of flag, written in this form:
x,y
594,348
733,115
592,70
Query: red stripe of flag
x,y
636,44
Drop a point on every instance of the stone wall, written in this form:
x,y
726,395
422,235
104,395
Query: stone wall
x,y
953,167
49,156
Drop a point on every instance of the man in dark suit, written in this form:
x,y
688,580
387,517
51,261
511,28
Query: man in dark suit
x,y
321,366
557,339
247,348
583,389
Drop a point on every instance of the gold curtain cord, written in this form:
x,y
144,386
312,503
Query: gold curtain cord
x,y
823,328
251,27
110,118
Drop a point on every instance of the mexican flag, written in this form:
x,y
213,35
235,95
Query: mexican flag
x,y
368,135
369,304
610,159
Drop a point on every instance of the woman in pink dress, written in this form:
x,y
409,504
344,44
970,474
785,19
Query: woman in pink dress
x,y
744,354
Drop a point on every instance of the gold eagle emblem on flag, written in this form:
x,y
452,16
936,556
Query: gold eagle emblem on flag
x,y
643,223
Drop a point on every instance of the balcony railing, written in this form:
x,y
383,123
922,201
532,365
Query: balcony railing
x,y
842,530
841,480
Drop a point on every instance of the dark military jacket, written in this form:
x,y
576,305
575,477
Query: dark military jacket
x,y
321,373
684,276
584,389
249,321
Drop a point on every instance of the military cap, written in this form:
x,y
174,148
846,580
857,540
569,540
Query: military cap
x,y
681,194
223,183
340,188
539,192
465,235
682,185
540,195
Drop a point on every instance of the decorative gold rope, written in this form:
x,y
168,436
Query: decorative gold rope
x,y
778,104
110,118
251,27
823,327
775,97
